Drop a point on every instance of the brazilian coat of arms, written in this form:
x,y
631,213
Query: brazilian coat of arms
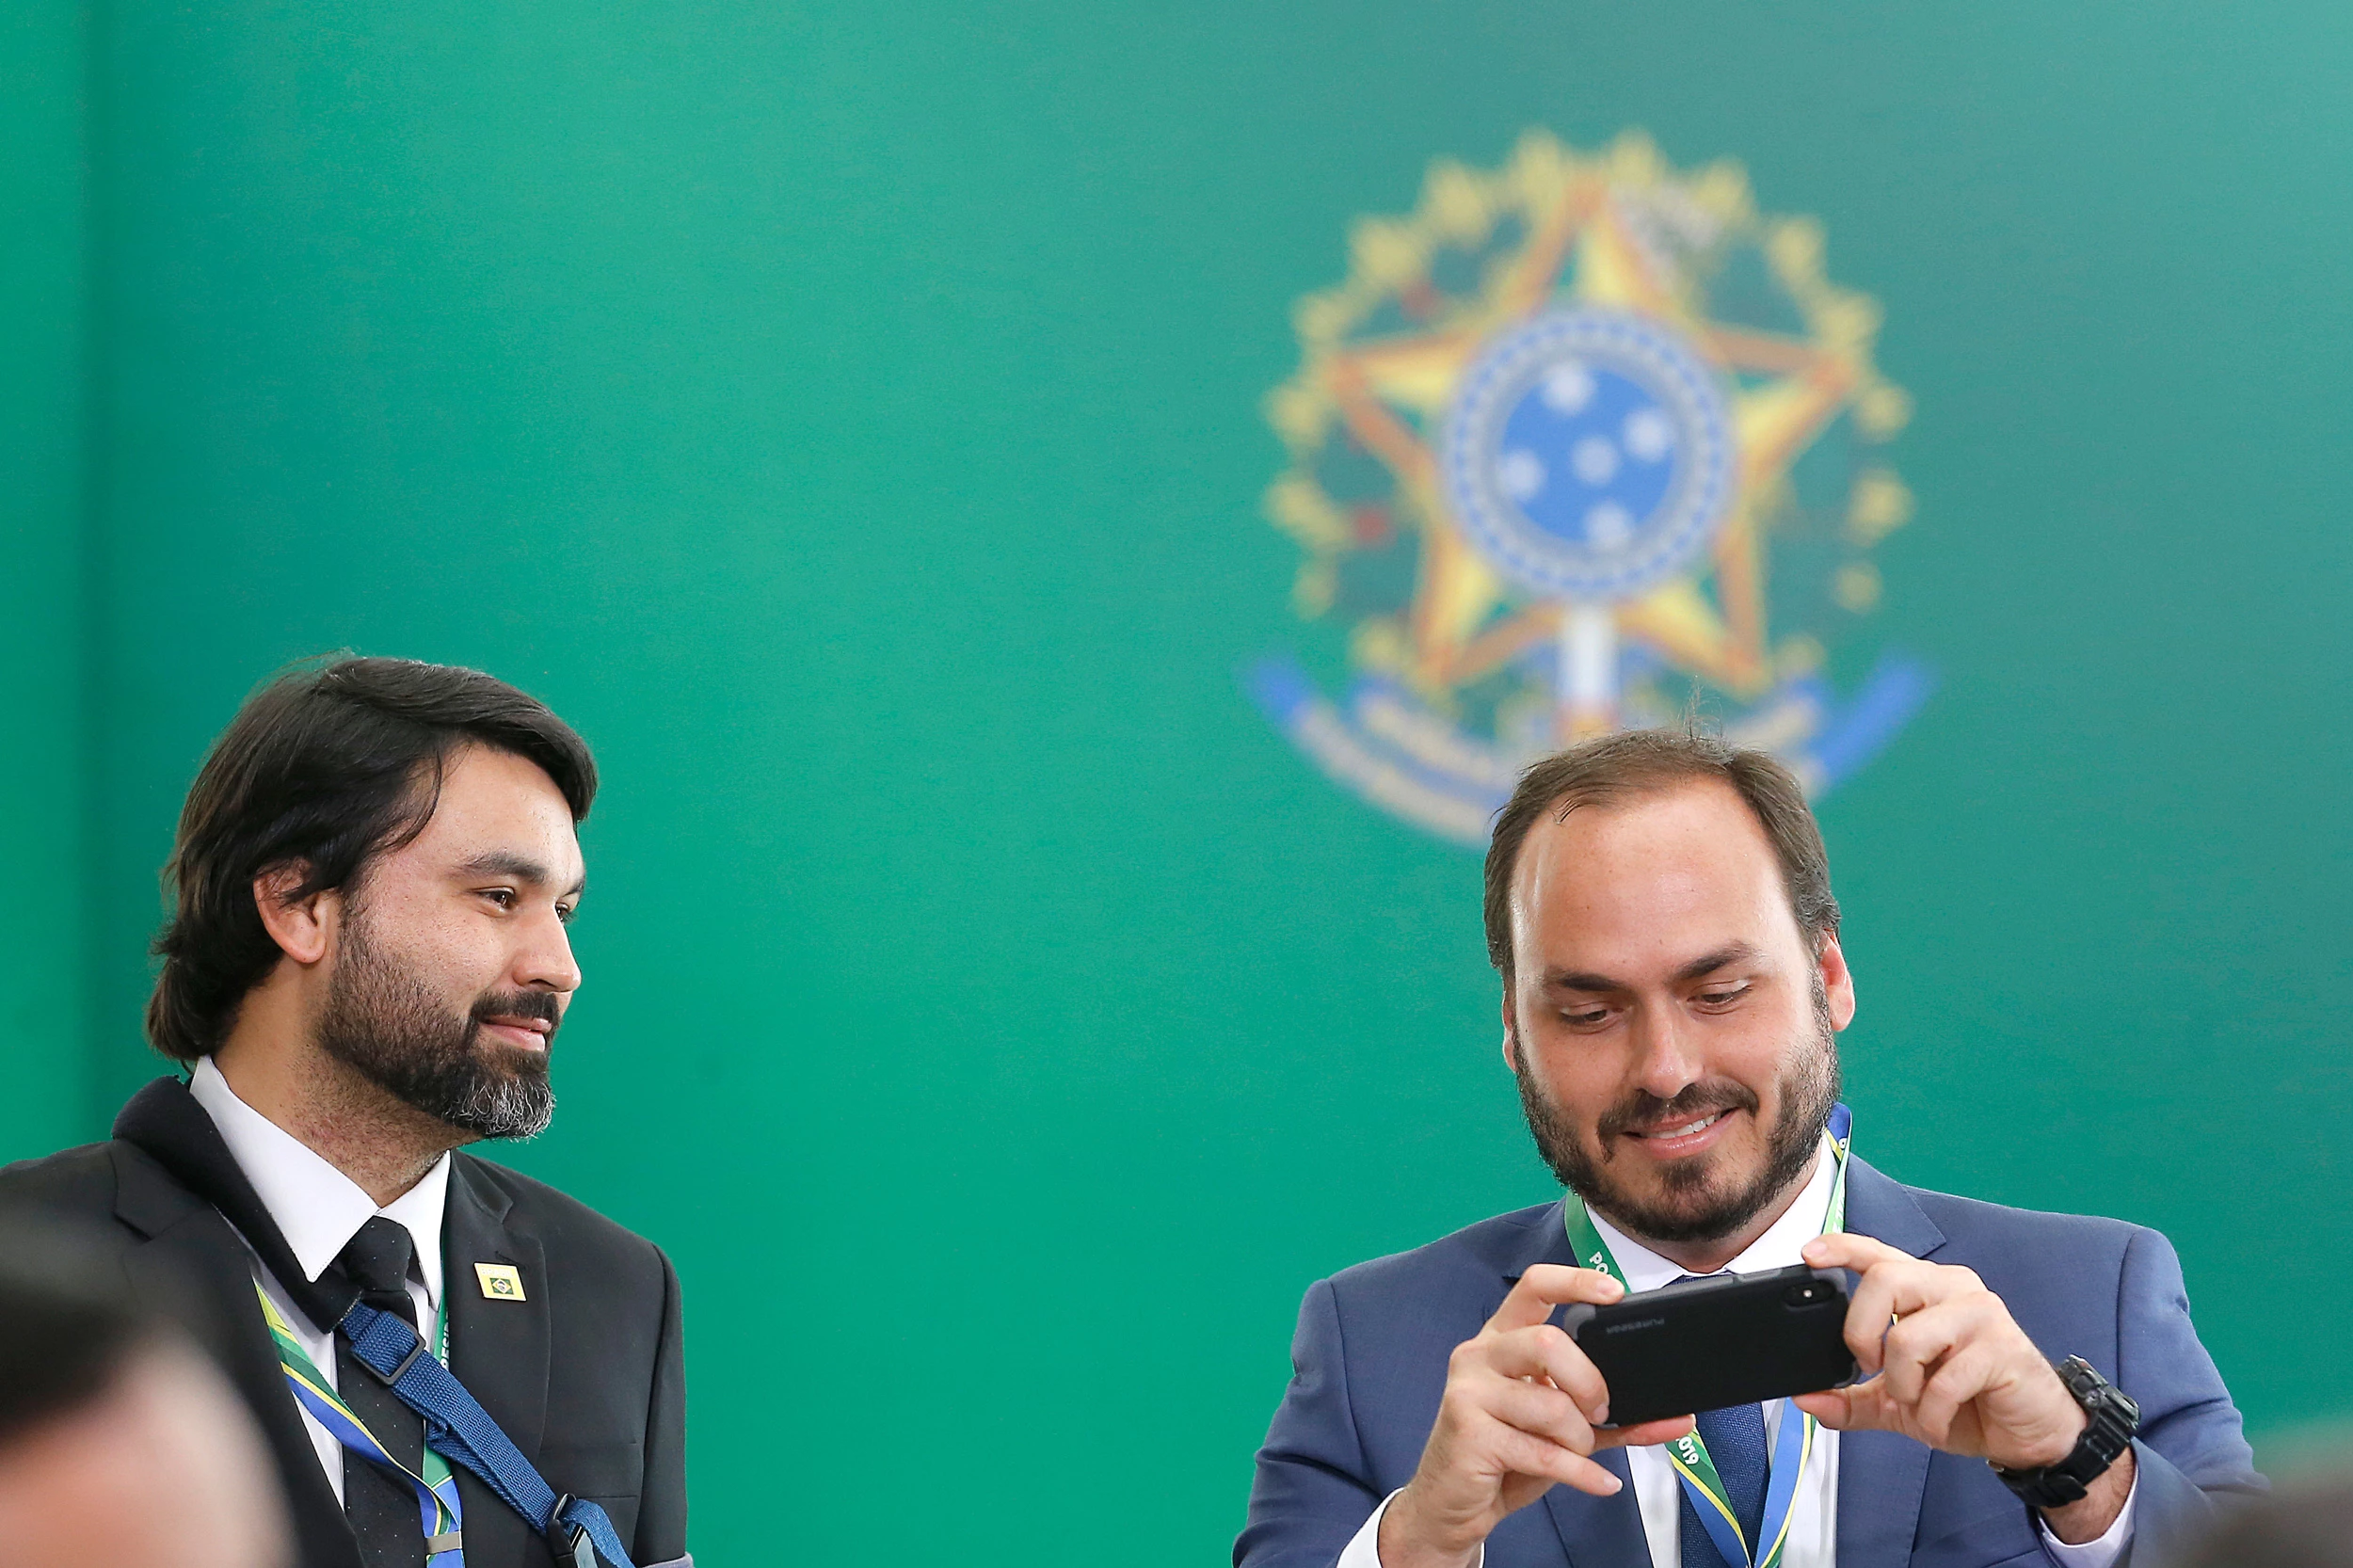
x,y
1577,441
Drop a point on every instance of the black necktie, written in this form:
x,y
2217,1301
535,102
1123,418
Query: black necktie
x,y
382,1507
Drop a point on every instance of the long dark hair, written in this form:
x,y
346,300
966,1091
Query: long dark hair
x,y
324,768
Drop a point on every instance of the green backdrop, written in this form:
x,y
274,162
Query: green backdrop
x,y
847,414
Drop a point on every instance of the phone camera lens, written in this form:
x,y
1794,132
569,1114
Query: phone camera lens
x,y
1804,1292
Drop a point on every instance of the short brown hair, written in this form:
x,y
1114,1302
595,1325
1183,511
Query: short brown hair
x,y
1647,761
325,767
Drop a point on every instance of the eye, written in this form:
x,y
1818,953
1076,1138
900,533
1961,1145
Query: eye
x,y
1722,999
1587,1019
502,897
564,913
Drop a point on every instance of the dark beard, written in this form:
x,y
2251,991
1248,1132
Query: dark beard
x,y
1690,1212
386,1025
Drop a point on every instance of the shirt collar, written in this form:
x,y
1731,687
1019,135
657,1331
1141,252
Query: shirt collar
x,y
317,1208
1777,1248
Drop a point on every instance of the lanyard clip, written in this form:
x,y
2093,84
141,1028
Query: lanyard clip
x,y
569,1542
400,1371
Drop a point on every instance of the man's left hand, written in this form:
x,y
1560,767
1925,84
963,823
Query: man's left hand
x,y
1947,1365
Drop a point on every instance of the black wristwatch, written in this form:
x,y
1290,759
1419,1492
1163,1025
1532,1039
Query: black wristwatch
x,y
2114,1419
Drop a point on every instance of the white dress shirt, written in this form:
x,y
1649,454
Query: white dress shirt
x,y
318,1210
1813,1510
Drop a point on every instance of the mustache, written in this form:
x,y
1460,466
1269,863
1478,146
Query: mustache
x,y
540,1005
1644,1109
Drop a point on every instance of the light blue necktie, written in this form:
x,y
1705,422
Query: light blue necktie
x,y
1736,1442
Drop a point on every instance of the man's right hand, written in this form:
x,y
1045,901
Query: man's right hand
x,y
1521,1411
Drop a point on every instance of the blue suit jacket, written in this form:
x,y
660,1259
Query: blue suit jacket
x,y
1370,1356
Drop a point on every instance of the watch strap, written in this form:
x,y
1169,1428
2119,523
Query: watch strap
x,y
2112,1419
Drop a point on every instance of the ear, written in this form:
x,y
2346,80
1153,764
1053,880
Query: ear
x,y
303,927
1511,1029
1837,981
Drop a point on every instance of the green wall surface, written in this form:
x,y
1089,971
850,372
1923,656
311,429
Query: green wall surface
x,y
849,416
45,872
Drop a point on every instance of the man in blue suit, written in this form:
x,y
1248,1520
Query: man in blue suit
x,y
1658,905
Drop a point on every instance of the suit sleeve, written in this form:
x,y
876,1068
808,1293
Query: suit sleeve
x,y
662,1506
1312,1492
2191,1452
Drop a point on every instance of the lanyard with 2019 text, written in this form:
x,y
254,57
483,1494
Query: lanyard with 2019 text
x,y
1794,1441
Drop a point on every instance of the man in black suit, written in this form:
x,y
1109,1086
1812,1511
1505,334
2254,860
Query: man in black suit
x,y
366,970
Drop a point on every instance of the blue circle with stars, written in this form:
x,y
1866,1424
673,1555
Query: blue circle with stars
x,y
1589,453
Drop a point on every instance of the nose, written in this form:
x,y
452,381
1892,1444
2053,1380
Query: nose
x,y
546,961
1664,1064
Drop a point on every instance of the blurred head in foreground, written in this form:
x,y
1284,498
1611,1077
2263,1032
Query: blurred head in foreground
x,y
119,1445
2307,1524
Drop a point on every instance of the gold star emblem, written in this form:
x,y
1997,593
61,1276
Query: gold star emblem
x,y
1382,356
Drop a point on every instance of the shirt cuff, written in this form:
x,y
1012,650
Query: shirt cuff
x,y
1365,1551
2103,1552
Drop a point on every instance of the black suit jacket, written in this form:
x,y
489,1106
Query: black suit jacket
x,y
585,1373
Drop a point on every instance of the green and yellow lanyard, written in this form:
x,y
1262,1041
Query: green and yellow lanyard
x,y
1793,1442
435,1488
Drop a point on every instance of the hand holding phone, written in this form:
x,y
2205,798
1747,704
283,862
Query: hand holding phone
x,y
1522,1411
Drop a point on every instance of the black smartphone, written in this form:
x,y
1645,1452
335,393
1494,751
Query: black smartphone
x,y
1710,1344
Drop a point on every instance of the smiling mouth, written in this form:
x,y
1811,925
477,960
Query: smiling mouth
x,y
528,1034
1680,1132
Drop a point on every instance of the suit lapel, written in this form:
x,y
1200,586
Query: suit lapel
x,y
1882,1476
188,1242
165,1123
1595,1532
1601,1532
498,1349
